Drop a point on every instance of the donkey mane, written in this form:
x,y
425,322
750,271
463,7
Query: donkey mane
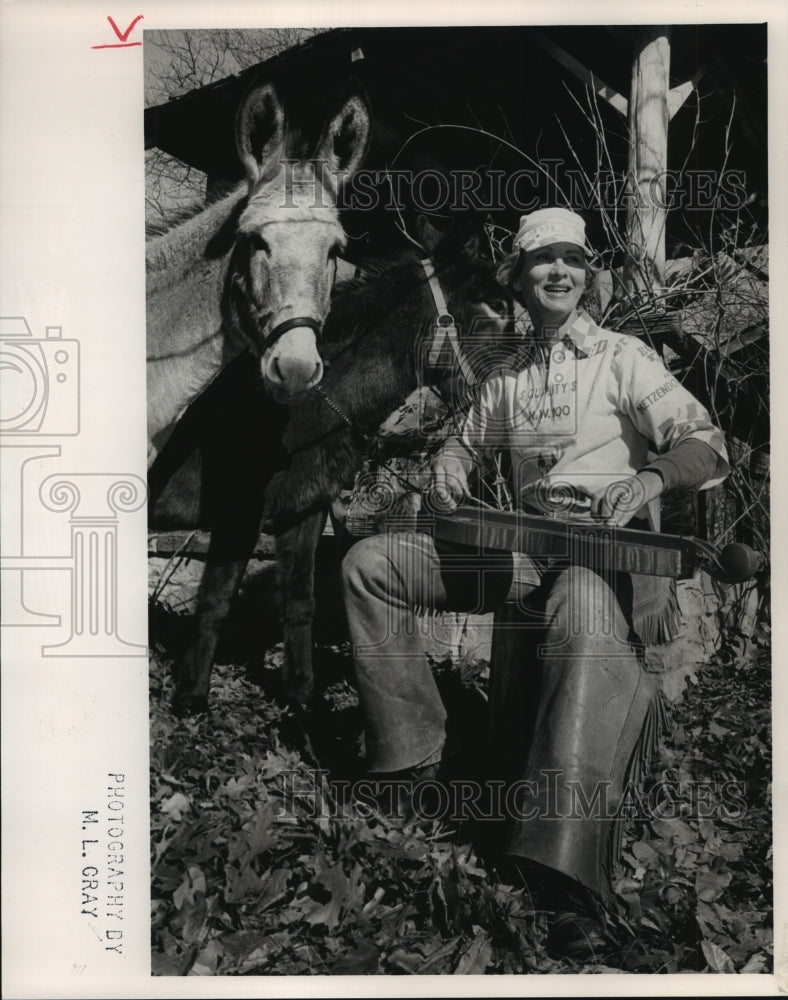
x,y
176,250
357,300
380,290
175,218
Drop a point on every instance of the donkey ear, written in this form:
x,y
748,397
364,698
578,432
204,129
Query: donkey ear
x,y
474,246
345,141
462,238
428,233
470,236
259,130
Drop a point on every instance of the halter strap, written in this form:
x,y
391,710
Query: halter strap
x,y
446,329
290,324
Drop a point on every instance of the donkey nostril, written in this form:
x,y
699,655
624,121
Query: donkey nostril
x,y
278,370
317,374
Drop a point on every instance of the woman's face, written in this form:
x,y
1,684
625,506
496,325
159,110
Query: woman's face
x,y
552,281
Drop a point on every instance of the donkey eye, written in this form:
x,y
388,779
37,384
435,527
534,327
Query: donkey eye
x,y
257,242
497,305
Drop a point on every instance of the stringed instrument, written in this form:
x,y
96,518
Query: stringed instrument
x,y
560,542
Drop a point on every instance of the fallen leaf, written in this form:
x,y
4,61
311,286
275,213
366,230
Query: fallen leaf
x,y
445,901
671,894
261,837
677,828
406,961
718,960
409,848
241,884
345,892
362,961
206,962
708,918
194,916
476,957
274,887
756,963
441,955
645,852
175,806
710,885
168,965
241,942
193,885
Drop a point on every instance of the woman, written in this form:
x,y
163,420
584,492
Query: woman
x,y
580,413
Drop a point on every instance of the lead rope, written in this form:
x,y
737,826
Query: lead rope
x,y
447,330
320,391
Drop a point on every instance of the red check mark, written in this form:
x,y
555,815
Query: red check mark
x,y
123,36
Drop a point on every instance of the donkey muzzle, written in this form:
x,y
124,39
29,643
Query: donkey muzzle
x,y
291,364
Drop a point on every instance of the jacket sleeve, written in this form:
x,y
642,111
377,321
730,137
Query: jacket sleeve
x,y
661,409
484,429
688,465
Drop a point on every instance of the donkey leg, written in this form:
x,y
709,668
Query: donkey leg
x,y
233,540
218,588
296,548
237,433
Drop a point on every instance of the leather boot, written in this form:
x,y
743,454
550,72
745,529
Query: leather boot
x,y
592,702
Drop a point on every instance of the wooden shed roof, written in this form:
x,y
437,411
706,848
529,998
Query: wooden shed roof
x,y
506,81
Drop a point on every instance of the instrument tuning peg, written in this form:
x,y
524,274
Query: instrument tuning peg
x,y
738,562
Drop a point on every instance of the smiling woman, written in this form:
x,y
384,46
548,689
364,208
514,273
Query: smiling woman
x,y
552,265
578,409
553,280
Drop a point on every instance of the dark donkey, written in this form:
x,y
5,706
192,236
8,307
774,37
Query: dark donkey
x,y
381,342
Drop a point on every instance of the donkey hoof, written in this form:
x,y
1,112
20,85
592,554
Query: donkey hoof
x,y
185,705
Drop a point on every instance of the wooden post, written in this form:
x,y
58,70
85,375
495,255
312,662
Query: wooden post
x,y
648,157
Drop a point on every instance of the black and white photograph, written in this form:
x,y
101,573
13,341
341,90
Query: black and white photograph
x,y
392,483
458,417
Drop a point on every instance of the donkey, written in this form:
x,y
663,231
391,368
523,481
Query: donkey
x,y
255,270
379,346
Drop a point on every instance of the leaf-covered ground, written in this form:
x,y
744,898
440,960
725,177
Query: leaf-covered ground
x,y
248,880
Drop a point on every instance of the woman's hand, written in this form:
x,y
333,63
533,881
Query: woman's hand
x,y
448,483
618,502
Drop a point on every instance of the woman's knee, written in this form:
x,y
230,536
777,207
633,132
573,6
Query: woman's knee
x,y
364,563
589,597
398,566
